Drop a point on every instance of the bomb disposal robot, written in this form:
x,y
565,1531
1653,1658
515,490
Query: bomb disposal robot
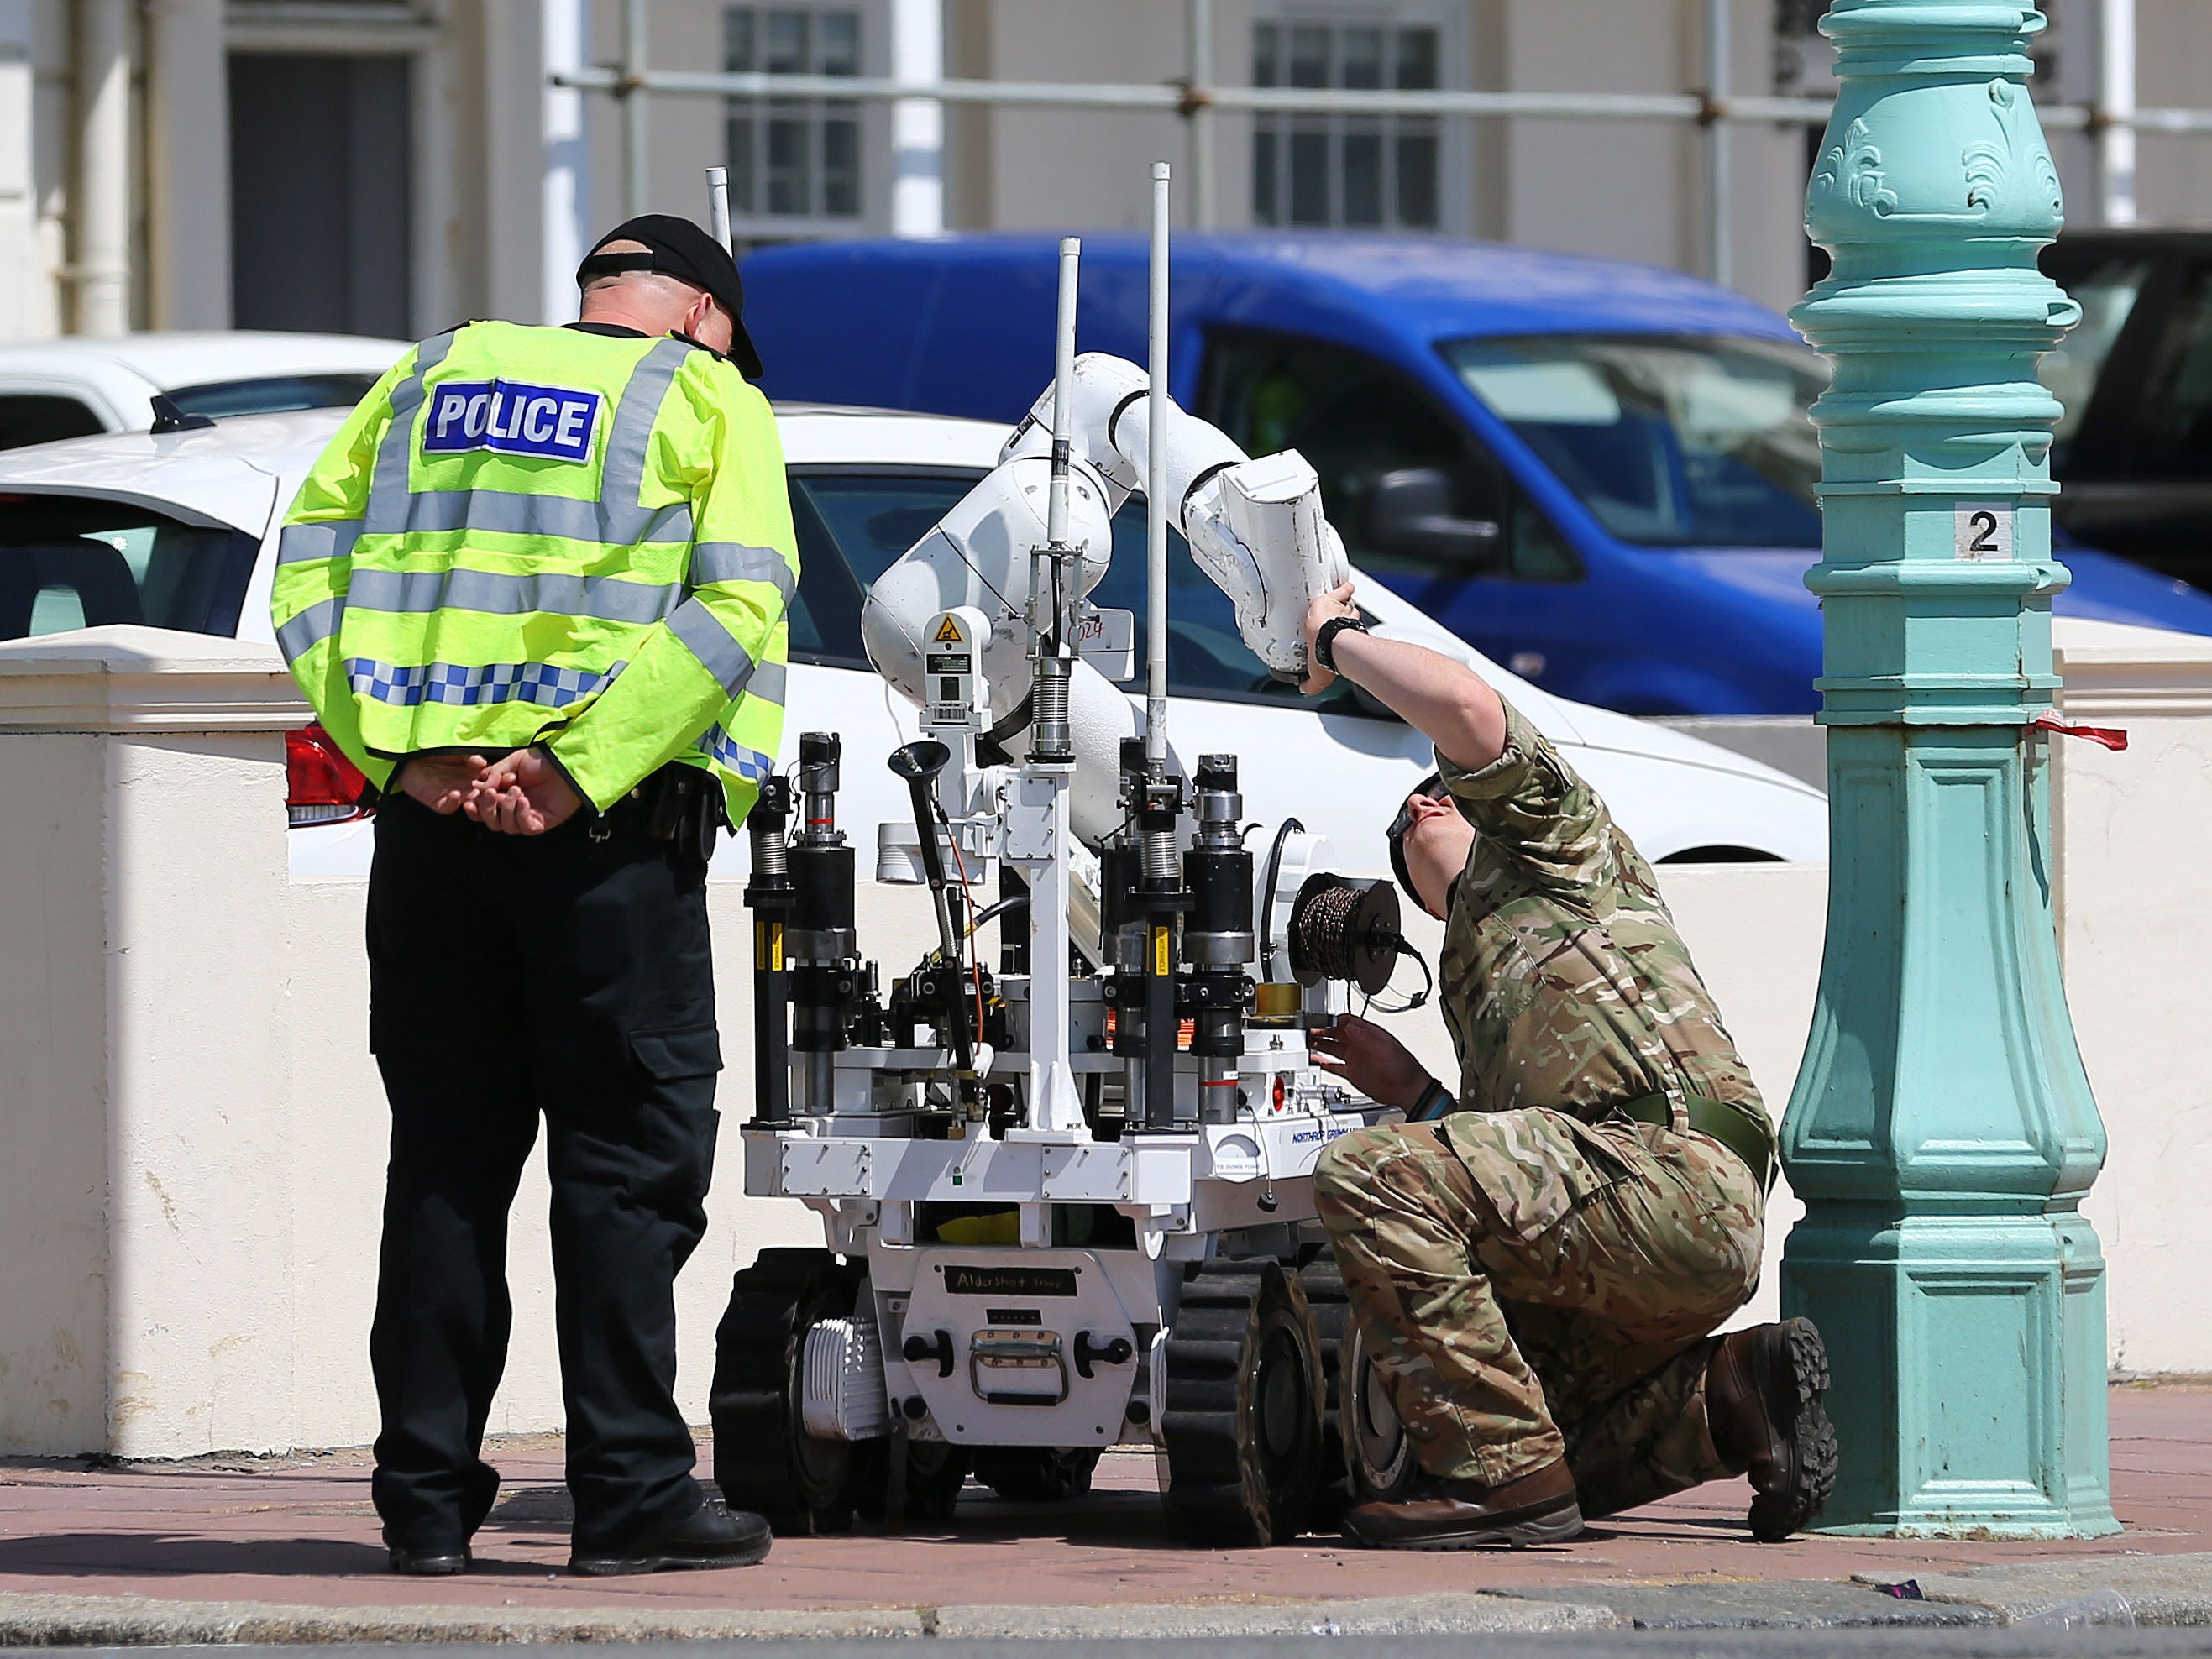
x,y
1068,1201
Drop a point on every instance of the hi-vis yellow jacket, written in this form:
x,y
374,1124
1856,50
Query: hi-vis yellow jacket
x,y
546,535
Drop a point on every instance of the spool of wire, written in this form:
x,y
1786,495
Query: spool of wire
x,y
1345,930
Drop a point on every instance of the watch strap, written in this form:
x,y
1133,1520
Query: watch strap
x,y
1434,1101
1324,647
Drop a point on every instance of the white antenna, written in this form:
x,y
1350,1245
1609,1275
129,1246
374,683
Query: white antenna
x,y
1063,391
718,206
1156,495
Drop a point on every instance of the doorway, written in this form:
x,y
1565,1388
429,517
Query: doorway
x,y
321,218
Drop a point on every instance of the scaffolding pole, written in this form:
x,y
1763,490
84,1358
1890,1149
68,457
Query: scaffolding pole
x,y
626,84
1720,187
1198,114
1302,101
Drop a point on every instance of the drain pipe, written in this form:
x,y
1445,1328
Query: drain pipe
x,y
101,274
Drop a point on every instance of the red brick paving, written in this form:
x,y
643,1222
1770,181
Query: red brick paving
x,y
300,1531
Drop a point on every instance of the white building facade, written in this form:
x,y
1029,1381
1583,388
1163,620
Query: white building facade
x,y
391,167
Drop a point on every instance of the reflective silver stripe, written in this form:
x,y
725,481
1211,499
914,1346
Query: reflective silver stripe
x,y
704,636
310,628
605,597
733,562
328,538
502,513
624,476
615,519
386,513
767,682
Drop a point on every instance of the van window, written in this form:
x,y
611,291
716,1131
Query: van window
x,y
2172,434
1355,418
853,526
69,562
1670,441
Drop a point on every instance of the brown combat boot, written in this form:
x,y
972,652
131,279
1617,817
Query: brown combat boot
x,y
1763,1390
1537,1508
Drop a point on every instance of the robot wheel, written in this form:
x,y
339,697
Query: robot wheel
x,y
1242,1428
764,1459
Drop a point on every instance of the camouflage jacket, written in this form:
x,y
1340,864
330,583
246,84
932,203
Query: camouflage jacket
x,y
1562,980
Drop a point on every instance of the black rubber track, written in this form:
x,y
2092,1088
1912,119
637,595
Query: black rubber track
x,y
1798,1352
764,1461
1220,1485
1324,1284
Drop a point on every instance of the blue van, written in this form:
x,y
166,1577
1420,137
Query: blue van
x,y
1599,474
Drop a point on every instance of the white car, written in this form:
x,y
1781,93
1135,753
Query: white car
x,y
81,385
179,531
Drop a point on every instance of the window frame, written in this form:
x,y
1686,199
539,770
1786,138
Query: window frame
x,y
1456,171
873,119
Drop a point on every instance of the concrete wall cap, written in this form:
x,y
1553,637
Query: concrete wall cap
x,y
2116,669
129,678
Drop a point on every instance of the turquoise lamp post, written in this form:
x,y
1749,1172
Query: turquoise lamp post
x,y
1942,1131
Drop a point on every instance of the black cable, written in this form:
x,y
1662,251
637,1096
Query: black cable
x,y
1267,897
1428,978
991,913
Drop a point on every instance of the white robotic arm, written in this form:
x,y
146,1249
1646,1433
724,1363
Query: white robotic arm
x,y
1256,527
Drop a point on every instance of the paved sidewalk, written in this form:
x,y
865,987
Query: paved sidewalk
x,y
233,1548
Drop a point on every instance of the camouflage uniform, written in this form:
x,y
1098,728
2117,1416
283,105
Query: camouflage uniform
x,y
1537,1275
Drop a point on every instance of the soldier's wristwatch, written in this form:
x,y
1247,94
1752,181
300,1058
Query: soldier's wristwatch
x,y
1434,1101
1324,645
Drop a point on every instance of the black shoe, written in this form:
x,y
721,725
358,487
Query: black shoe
x,y
430,1564
713,1536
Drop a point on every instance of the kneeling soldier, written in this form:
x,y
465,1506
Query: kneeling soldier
x,y
1538,1257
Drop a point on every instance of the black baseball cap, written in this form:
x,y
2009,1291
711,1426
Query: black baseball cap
x,y
677,247
1433,787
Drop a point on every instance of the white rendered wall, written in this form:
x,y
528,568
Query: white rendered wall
x,y
2135,845
192,1133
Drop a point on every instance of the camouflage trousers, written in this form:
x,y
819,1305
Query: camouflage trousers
x,y
1531,1287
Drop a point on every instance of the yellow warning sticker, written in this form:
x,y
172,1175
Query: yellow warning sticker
x,y
1160,961
948,633
768,945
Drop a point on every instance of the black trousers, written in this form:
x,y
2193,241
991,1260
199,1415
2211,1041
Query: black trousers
x,y
568,975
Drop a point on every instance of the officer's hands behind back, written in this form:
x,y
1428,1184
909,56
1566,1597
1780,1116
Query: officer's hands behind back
x,y
523,794
442,782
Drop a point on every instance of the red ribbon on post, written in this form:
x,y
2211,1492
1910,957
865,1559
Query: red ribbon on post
x,y
2110,736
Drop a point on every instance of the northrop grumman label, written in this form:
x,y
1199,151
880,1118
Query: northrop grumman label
x,y
511,418
1016,1283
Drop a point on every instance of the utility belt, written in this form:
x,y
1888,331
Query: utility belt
x,y
1727,1124
680,803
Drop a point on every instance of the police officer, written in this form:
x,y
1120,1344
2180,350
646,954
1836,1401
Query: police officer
x,y
1538,1254
536,588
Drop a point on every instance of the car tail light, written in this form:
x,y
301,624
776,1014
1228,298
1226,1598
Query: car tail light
x,y
321,786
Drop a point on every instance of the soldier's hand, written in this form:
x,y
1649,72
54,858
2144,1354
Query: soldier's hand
x,y
1337,602
523,794
1371,1059
440,783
